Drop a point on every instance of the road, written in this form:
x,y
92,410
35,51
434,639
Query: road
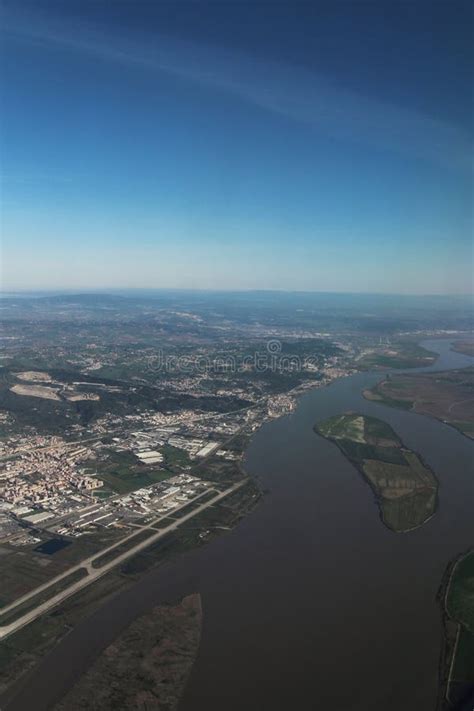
x,y
86,563
95,573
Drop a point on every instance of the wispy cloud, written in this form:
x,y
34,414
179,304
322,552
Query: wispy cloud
x,y
38,178
280,88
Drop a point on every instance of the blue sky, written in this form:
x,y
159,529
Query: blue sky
x,y
305,146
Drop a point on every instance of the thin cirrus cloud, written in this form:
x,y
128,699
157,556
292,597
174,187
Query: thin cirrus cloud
x,y
288,90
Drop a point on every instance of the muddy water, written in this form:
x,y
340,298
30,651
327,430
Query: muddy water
x,y
310,603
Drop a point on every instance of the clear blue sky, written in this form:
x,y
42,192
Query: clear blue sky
x,y
314,146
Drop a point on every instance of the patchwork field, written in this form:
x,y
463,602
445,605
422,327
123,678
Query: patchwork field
x,y
404,354
448,396
405,488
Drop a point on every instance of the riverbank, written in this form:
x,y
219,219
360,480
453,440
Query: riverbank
x,y
309,555
146,667
456,668
447,396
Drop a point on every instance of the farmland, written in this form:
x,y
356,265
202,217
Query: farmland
x,y
457,669
404,354
405,488
447,396
465,347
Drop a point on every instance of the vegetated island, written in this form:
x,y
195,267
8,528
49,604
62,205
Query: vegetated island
x,y
457,661
465,347
146,667
401,354
448,396
406,490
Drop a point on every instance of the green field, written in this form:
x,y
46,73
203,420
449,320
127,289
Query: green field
x,y
174,458
457,678
43,596
24,569
122,473
141,535
404,354
406,490
460,598
448,396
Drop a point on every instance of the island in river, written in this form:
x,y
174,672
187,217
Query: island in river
x,y
401,354
405,488
146,667
448,396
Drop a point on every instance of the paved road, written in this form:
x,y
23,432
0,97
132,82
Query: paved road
x,y
95,573
86,563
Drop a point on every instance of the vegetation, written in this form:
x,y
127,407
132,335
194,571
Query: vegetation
x,y
41,597
27,568
146,667
460,598
457,668
122,472
406,490
404,354
174,459
140,535
21,651
465,347
447,396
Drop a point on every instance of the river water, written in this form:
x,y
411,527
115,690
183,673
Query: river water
x,y
310,603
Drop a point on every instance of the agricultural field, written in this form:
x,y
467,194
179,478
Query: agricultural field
x,y
405,488
447,396
458,672
465,347
404,354
26,568
122,473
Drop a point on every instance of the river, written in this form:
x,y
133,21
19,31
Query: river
x,y
310,603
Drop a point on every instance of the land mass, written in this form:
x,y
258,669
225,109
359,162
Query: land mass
x,y
45,617
146,667
448,396
465,347
401,354
457,661
405,488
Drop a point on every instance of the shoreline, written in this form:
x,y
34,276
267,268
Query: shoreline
x,y
383,401
377,497
314,386
448,649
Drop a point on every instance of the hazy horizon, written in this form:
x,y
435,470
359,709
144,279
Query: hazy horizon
x,y
150,291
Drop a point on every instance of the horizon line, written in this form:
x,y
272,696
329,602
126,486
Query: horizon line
x,y
111,290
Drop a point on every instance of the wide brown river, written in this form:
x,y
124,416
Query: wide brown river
x,y
310,603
